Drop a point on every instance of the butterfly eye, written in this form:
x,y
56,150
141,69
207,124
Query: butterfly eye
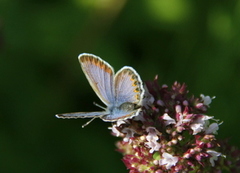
x,y
127,106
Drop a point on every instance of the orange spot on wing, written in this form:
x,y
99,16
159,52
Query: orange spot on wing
x,y
97,62
136,90
137,97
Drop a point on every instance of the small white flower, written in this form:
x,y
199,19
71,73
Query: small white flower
x,y
129,134
214,156
200,124
168,119
120,122
152,138
196,127
114,127
207,99
168,160
153,145
213,128
115,130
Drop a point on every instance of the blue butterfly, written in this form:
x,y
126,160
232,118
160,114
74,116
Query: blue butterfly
x,y
122,92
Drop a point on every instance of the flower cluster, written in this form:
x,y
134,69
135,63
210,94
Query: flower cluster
x,y
171,134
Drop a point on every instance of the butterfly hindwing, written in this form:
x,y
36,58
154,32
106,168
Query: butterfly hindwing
x,y
128,86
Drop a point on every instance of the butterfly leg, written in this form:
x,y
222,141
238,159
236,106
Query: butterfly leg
x,y
99,105
88,122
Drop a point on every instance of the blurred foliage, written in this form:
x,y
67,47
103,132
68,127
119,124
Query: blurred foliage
x,y
196,42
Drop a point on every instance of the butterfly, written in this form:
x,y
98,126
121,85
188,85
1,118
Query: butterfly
x,y
122,92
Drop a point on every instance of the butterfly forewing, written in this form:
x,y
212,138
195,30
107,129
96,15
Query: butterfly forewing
x,y
128,86
75,115
100,76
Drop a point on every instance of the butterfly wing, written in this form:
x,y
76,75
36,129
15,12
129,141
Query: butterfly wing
x,y
128,86
100,75
120,115
129,93
75,115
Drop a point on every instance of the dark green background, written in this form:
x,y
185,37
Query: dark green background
x,y
196,42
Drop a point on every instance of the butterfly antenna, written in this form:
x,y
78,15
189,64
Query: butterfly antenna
x,y
99,105
88,122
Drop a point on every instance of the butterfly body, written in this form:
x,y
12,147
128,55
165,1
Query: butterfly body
x,y
122,93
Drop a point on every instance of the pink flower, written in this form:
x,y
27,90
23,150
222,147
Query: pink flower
x,y
171,134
